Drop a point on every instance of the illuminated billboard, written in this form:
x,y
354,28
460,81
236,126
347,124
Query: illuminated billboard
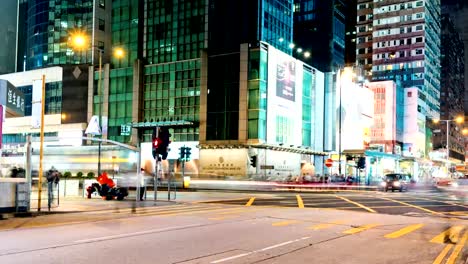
x,y
284,98
286,79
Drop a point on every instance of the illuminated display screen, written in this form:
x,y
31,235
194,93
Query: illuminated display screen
x,y
286,80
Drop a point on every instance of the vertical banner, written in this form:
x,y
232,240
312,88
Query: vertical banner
x,y
36,104
1,126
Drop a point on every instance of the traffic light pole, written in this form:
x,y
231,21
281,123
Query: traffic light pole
x,y
156,172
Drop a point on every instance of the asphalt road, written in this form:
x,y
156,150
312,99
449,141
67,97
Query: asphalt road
x,y
429,201
224,233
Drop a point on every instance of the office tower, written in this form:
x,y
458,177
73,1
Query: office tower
x,y
458,11
320,27
452,90
45,26
8,35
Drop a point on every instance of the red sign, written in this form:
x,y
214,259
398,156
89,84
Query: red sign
x,y
329,163
1,125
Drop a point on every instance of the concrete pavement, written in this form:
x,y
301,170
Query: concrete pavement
x,y
213,233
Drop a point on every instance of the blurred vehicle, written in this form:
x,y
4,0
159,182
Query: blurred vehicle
x,y
395,181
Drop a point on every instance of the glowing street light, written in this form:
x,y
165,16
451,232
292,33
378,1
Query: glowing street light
x,y
79,41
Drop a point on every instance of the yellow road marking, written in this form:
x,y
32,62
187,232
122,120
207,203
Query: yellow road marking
x,y
359,229
223,217
285,223
250,202
300,203
442,254
411,205
453,233
326,225
404,231
358,204
459,213
456,251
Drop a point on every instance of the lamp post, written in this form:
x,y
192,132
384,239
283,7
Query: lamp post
x,y
79,41
458,120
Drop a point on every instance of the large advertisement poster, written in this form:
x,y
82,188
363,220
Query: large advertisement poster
x,y
286,79
284,99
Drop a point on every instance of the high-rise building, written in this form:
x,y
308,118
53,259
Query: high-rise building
x,y
364,27
452,90
403,40
44,29
320,27
8,33
219,74
458,11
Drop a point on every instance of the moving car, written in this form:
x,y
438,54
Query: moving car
x,y
395,181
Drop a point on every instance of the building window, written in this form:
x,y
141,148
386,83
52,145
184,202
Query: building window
x,y
410,94
419,39
102,24
102,4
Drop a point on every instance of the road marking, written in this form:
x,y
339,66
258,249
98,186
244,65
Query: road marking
x,y
459,213
326,225
456,251
404,231
250,202
96,239
223,217
300,203
359,229
285,223
442,254
259,250
358,204
412,205
452,233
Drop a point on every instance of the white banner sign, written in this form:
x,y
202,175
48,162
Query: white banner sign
x,y
36,104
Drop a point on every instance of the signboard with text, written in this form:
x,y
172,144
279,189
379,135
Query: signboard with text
x,y
11,98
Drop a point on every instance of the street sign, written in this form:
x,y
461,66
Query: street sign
x,y
93,126
329,163
125,130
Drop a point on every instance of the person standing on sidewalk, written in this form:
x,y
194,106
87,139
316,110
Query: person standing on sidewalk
x,y
53,176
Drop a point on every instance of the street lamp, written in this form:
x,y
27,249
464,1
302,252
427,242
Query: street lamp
x,y
79,41
458,120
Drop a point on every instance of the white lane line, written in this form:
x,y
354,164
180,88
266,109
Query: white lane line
x,y
259,250
134,234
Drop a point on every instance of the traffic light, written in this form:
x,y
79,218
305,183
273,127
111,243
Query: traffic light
x,y
156,144
182,153
361,163
253,161
165,140
187,153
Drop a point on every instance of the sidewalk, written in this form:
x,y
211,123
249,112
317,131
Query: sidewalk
x,y
76,204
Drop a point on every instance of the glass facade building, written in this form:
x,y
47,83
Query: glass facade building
x,y
46,26
320,27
